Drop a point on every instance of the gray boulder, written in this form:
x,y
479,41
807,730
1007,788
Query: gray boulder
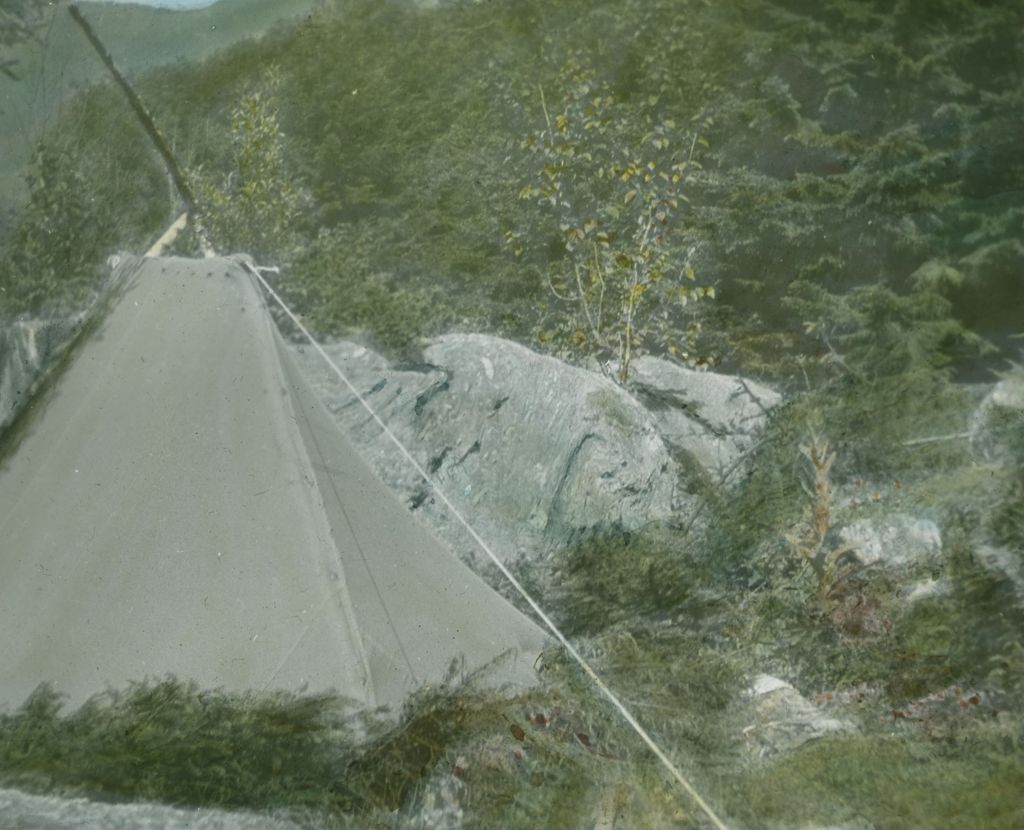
x,y
714,418
997,426
27,349
533,452
781,720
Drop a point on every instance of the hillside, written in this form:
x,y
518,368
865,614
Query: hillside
x,y
141,38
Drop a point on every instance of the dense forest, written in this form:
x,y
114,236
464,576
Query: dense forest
x,y
827,196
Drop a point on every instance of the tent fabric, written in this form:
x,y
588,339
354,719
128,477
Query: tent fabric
x,y
181,502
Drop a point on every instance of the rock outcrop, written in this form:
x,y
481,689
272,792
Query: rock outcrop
x,y
536,453
30,347
533,452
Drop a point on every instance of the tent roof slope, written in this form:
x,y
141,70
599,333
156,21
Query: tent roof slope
x,y
183,503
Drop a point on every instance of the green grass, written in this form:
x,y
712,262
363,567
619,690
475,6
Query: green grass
x,y
892,783
172,742
546,756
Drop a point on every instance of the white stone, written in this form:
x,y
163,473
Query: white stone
x,y
782,720
895,539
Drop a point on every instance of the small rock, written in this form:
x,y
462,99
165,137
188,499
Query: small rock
x,y
439,803
926,590
782,720
997,426
894,540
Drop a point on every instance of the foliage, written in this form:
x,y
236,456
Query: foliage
x,y
619,578
866,631
170,741
1002,419
878,364
551,755
873,332
610,175
1006,522
335,279
987,602
20,20
257,205
392,140
832,566
888,782
88,197
53,254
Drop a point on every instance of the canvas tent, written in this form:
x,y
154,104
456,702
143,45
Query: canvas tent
x,y
180,502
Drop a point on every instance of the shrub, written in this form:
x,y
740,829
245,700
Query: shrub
x,y
255,207
611,178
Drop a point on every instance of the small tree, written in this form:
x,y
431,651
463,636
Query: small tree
x,y
610,174
809,541
256,206
50,261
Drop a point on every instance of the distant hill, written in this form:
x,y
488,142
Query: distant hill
x,y
140,38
